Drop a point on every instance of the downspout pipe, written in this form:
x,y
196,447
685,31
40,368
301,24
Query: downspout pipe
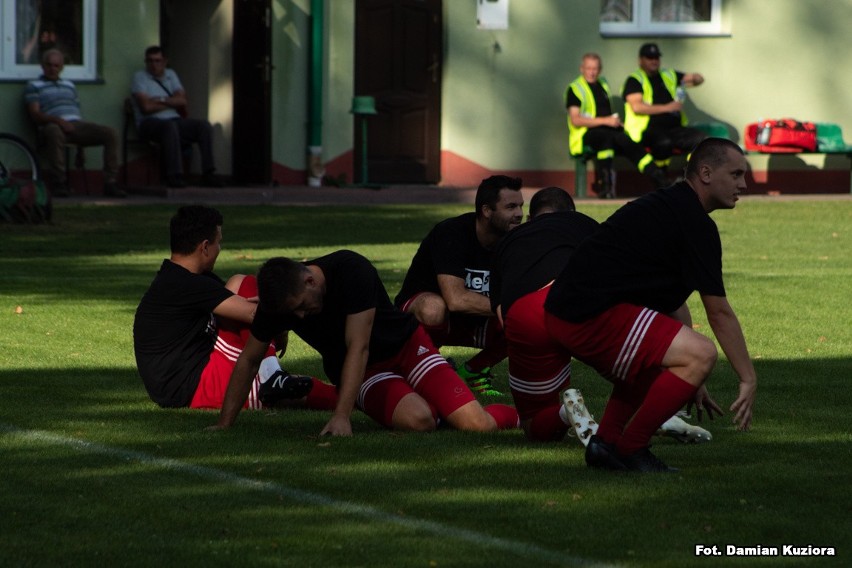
x,y
316,169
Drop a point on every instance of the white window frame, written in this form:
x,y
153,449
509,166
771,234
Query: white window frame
x,y
641,24
10,70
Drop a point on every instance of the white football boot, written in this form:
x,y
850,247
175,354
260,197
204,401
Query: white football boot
x,y
677,428
582,423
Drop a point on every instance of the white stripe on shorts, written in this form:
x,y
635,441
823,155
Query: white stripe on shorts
x,y
423,367
541,387
631,345
229,351
371,381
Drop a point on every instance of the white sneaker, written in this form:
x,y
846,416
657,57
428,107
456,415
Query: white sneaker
x,y
582,423
683,431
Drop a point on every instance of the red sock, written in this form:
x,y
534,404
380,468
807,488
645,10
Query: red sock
x,y
504,415
623,403
323,396
547,426
667,395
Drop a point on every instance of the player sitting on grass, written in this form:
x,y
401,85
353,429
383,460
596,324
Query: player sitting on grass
x,y
190,327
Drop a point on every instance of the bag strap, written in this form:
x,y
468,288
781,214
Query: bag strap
x,y
168,92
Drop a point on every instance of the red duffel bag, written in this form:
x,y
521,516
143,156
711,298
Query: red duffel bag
x,y
782,135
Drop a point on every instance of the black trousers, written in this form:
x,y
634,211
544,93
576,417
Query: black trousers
x,y
609,138
662,142
175,134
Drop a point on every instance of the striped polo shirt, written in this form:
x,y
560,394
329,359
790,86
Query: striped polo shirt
x,y
54,98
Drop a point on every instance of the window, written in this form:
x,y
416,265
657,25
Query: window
x,y
661,17
31,27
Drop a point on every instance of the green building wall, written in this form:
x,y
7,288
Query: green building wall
x,y
126,28
502,90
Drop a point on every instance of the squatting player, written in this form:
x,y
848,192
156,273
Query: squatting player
x,y
608,308
526,261
448,283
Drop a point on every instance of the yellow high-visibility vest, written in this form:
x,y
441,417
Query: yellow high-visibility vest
x,y
636,124
588,108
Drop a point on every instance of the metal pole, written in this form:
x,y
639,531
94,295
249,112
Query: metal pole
x,y
363,150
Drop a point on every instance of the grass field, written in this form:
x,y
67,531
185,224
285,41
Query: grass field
x,y
93,473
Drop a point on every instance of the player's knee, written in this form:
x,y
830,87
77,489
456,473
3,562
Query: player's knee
x,y
704,356
414,414
472,417
415,421
234,282
431,312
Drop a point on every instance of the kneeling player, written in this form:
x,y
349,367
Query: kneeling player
x,y
379,358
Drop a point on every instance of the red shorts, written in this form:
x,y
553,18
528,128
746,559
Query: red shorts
x,y
230,341
620,343
418,368
539,366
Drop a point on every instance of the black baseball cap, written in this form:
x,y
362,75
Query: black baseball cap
x,y
650,50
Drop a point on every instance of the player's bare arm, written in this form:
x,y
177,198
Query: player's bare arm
x,y
461,300
730,336
357,333
683,315
236,308
239,386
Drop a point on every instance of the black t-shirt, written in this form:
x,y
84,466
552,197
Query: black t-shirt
x,y
602,106
451,247
174,332
661,96
653,252
534,254
352,286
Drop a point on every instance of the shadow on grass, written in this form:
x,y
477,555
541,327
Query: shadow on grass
x,y
88,230
90,255
781,483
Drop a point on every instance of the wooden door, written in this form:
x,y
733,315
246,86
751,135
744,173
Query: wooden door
x,y
252,72
398,58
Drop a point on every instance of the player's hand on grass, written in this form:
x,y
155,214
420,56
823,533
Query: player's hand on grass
x,y
703,402
339,425
743,406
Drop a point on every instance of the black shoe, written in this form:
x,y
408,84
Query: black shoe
x,y
112,189
601,455
282,385
646,462
176,182
604,185
211,180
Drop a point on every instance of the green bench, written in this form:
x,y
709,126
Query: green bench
x,y
829,141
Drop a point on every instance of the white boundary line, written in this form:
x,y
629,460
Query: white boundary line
x,y
522,549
